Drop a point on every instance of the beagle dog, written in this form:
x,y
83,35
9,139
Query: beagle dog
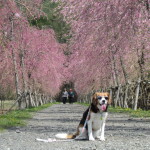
x,y
92,124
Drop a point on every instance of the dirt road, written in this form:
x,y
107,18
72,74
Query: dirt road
x,y
122,132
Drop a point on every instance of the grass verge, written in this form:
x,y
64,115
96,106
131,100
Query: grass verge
x,y
18,117
138,113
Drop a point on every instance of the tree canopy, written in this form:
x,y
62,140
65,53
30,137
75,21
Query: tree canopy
x,y
92,43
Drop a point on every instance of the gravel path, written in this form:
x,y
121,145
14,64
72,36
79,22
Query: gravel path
x,y
122,132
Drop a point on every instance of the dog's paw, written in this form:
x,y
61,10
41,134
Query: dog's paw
x,y
91,139
102,139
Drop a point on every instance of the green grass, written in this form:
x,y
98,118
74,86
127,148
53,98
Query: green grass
x,y
138,113
18,117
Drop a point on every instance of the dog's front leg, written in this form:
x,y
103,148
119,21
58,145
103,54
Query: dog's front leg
x,y
90,134
102,138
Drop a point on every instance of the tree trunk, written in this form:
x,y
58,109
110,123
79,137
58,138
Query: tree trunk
x,y
117,96
15,67
115,77
40,99
36,98
137,93
32,103
23,77
121,97
111,93
141,61
114,70
126,96
123,70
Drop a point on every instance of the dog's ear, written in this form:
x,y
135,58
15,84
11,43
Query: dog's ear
x,y
109,98
94,99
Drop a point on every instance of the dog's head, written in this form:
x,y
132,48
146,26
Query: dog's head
x,y
101,100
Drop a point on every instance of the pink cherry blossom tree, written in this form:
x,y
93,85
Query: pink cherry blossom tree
x,y
110,42
34,56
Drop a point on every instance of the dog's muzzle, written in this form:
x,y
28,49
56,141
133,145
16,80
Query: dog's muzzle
x,y
102,102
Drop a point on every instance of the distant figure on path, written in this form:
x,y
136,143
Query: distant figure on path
x,y
64,96
71,96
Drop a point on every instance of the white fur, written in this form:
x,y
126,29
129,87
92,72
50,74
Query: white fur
x,y
102,99
96,126
83,134
61,135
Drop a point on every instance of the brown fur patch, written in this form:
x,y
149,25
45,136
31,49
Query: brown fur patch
x,y
72,136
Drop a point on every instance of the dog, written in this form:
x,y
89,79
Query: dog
x,y
92,124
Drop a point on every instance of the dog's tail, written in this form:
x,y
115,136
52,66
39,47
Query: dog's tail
x,y
65,136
